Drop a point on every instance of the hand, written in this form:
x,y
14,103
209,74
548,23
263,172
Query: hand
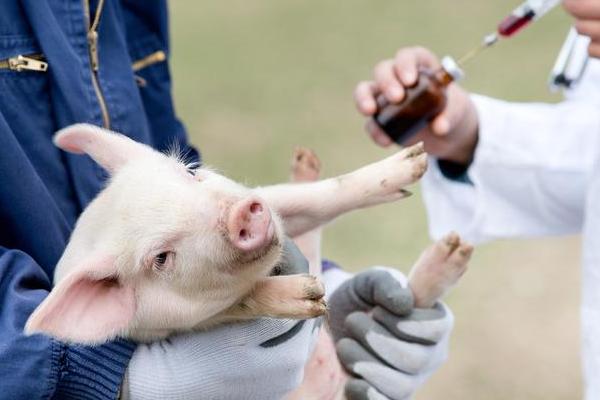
x,y
587,14
260,359
372,319
452,135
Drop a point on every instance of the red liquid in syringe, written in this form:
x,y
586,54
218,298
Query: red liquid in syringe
x,y
513,23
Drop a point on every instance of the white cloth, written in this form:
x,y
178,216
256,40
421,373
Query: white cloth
x,y
536,172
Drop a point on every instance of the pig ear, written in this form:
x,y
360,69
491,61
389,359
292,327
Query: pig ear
x,y
109,149
88,307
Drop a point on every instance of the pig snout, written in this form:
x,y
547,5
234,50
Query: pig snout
x,y
250,226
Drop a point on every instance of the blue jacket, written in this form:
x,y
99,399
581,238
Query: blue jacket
x,y
43,190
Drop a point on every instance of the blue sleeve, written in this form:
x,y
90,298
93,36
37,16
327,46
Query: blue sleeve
x,y
38,367
147,29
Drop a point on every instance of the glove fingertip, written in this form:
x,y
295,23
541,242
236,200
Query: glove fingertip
x,y
358,389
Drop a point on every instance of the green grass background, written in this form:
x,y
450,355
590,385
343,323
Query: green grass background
x,y
255,78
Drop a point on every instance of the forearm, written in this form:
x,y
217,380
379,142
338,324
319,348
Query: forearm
x,y
37,366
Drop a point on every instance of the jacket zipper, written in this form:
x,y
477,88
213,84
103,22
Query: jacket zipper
x,y
30,62
150,59
92,38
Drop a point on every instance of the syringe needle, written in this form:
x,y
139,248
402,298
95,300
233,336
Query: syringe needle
x,y
488,41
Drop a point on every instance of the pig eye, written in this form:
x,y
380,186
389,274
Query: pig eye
x,y
161,260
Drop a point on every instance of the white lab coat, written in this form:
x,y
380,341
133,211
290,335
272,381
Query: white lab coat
x,y
536,172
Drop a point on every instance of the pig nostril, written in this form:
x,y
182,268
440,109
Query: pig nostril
x,y
256,208
243,234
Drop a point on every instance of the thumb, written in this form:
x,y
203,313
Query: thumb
x,y
440,126
456,110
386,287
378,286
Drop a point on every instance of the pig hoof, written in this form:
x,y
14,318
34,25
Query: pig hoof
x,y
317,308
306,166
395,173
419,167
449,251
313,288
414,150
314,291
448,244
417,158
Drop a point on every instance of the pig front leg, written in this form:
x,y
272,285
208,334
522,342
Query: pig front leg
x,y
305,206
289,296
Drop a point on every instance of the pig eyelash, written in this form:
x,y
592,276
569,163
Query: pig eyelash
x,y
161,260
192,168
175,152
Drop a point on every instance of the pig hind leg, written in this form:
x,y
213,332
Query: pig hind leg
x,y
438,269
306,167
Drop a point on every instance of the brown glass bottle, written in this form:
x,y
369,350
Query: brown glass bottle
x,y
422,102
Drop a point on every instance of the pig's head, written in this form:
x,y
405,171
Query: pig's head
x,y
162,248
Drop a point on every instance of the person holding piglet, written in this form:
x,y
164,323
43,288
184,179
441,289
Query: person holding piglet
x,y
105,62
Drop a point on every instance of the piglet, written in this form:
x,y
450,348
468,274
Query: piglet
x,y
166,248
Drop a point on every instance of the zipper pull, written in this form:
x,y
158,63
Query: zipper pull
x,y
92,38
23,63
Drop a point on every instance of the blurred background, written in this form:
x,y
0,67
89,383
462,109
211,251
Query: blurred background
x,y
255,78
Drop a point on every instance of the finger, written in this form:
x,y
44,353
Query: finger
x,y
582,9
404,356
377,134
387,81
364,97
423,326
350,352
440,125
256,331
408,61
292,260
594,49
589,28
386,288
454,112
358,389
358,361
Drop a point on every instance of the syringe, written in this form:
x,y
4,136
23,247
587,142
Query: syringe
x,y
520,17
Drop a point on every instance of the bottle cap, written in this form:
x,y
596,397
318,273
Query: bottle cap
x,y
452,67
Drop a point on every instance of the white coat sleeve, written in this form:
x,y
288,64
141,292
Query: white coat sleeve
x,y
530,169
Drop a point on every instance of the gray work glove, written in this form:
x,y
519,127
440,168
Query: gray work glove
x,y
388,347
261,359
